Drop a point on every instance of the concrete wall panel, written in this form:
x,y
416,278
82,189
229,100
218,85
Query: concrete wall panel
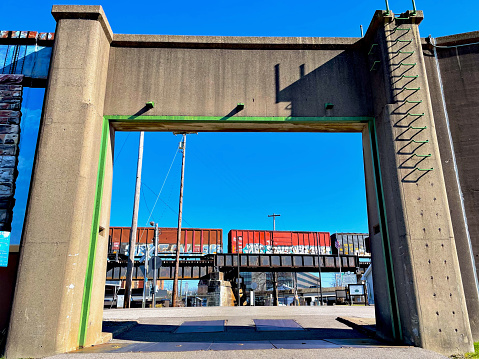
x,y
211,82
460,76
458,216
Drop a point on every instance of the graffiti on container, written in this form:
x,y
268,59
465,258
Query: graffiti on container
x,y
348,249
140,249
300,249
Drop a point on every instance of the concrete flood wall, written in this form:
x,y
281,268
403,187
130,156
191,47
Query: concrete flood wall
x,y
370,85
453,74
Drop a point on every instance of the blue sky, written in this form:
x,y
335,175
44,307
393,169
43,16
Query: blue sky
x,y
251,18
315,181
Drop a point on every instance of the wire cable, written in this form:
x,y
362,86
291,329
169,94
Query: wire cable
x,y
146,203
157,197
166,204
123,145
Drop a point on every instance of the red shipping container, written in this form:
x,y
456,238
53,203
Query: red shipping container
x,y
255,241
193,240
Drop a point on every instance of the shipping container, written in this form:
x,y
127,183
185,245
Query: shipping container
x,y
194,241
255,241
352,244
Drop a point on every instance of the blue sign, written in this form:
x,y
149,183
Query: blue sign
x,y
4,248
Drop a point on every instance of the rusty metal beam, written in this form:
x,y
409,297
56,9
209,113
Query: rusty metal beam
x,y
199,266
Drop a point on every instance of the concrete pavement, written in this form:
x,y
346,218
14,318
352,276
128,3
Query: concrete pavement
x,y
157,335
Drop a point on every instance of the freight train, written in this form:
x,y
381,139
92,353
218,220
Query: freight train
x,y
194,241
282,242
200,241
352,244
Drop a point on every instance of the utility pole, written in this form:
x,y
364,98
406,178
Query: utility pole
x,y
180,212
274,219
134,224
275,274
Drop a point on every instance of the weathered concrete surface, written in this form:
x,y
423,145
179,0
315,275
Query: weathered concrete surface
x,y
239,327
461,84
59,215
352,353
431,306
277,82
366,326
420,298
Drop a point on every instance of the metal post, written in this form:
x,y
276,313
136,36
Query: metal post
x,y
339,259
319,269
186,294
134,224
238,300
178,239
387,7
145,277
413,7
362,32
155,269
275,274
274,219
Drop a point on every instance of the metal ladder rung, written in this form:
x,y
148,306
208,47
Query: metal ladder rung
x,y
424,169
415,114
374,64
406,29
410,76
405,52
371,49
403,64
407,101
418,128
412,88
425,141
429,155
399,40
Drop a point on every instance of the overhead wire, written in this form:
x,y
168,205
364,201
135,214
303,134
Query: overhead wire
x,y
146,203
159,193
121,148
166,204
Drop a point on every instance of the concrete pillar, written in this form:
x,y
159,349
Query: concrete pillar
x,y
56,243
431,305
382,305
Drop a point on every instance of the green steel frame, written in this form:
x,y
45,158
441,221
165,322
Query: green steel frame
x,y
369,121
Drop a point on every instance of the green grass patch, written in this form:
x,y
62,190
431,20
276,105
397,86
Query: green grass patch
x,y
474,355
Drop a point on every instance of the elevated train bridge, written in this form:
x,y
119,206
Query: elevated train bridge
x,y
197,267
